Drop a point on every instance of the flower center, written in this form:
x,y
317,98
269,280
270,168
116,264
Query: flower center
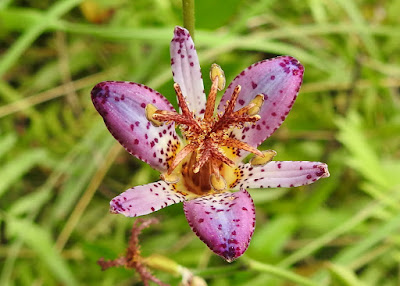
x,y
203,160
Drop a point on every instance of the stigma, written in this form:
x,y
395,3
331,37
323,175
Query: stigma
x,y
203,162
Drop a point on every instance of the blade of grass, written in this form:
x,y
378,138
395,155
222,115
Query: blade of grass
x,y
15,169
87,196
23,42
40,241
277,272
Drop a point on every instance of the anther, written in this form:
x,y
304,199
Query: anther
x,y
170,178
150,110
257,102
216,71
261,161
218,183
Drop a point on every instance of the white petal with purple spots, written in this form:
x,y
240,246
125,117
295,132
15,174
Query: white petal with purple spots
x,y
145,199
186,70
277,174
122,106
225,222
279,80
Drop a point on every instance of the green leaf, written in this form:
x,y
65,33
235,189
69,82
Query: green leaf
x,y
39,240
344,276
15,169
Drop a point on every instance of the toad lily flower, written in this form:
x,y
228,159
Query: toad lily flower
x,y
203,168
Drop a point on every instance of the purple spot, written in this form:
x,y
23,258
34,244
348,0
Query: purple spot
x,y
253,85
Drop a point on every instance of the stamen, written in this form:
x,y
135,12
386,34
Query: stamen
x,y
217,72
150,110
171,116
182,155
258,101
268,155
231,142
181,100
170,178
218,183
211,100
207,136
201,160
232,102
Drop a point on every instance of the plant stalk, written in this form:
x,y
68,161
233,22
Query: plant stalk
x,y
188,15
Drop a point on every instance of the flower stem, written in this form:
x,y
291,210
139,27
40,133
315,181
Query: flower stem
x,y
188,15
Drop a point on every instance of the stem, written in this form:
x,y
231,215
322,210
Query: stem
x,y
188,15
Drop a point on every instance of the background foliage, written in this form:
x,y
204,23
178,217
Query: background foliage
x,y
59,166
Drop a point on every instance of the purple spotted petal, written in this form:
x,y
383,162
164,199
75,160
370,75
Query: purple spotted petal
x,y
279,80
281,174
145,199
122,106
186,70
225,222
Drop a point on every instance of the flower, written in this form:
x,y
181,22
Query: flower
x,y
202,168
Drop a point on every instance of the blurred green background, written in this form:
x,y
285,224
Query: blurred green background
x,y
59,166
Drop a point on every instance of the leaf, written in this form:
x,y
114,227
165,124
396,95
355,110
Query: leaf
x,y
345,276
41,243
7,143
363,157
14,170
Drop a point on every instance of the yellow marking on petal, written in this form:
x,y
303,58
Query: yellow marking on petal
x,y
261,161
217,72
233,177
258,101
150,110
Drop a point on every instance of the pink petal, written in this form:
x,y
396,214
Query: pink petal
x,y
145,199
281,174
279,80
186,70
122,106
225,222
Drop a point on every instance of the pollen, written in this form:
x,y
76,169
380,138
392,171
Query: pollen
x,y
216,71
261,161
150,110
204,159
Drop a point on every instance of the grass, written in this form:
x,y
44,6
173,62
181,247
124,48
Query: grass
x,y
59,166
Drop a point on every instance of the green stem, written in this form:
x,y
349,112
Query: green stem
x,y
277,272
188,15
